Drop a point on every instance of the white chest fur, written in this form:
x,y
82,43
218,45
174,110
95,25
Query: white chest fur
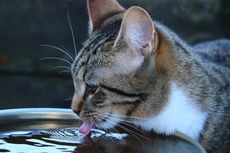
x,y
179,114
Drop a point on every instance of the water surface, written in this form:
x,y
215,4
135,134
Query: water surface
x,y
69,140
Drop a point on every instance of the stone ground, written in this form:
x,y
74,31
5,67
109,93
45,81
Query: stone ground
x,y
25,81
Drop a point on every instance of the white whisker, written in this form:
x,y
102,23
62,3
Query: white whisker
x,y
133,133
58,67
124,122
64,71
127,121
106,130
68,99
55,58
127,117
59,49
139,130
71,29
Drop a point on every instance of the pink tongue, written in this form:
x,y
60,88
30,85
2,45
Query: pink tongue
x,y
86,128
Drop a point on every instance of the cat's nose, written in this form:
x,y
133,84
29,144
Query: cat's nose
x,y
76,104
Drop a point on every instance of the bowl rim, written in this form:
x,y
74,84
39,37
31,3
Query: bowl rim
x,y
59,114
12,115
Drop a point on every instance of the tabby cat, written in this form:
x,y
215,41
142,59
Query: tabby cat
x,y
136,70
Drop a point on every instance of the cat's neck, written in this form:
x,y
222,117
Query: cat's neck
x,y
179,114
174,57
184,109
179,62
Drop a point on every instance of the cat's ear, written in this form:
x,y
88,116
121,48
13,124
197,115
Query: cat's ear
x,y
138,31
100,10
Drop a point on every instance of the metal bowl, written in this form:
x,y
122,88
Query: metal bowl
x,y
37,118
52,118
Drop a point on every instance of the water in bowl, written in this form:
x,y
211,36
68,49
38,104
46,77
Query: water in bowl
x,y
69,140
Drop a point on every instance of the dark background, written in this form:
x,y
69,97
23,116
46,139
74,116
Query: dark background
x,y
25,81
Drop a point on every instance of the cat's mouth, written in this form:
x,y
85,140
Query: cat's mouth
x,y
86,127
93,122
88,123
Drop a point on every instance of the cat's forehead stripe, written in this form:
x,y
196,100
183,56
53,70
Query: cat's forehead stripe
x,y
95,44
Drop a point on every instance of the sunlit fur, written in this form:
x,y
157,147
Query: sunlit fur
x,y
163,85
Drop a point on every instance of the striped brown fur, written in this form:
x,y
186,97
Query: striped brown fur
x,y
203,71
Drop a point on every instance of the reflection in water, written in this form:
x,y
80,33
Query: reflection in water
x,y
70,140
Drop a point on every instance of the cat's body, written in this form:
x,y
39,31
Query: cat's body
x,y
200,93
135,68
217,53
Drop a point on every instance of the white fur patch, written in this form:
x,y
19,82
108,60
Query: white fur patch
x,y
180,114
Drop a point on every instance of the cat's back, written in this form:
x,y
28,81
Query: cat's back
x,y
216,136
217,51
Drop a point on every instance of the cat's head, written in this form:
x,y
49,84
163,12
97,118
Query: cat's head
x,y
115,70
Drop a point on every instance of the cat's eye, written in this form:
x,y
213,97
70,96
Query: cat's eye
x,y
90,89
